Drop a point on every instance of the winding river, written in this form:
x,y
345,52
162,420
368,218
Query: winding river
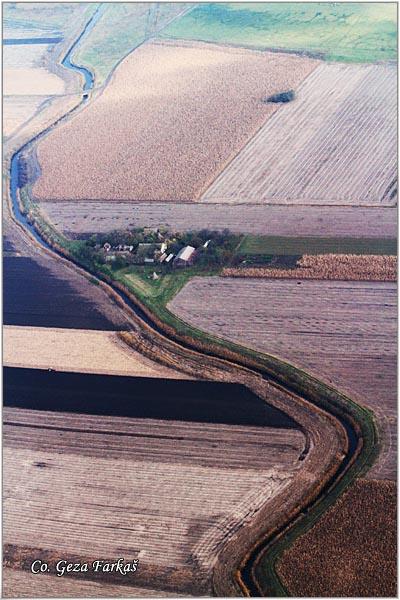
x,y
247,574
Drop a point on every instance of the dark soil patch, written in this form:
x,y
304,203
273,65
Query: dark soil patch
x,y
33,296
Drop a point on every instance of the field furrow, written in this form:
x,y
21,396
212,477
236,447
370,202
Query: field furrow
x,y
343,332
168,493
335,144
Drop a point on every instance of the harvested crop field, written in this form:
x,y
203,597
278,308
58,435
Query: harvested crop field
x,y
342,332
18,110
78,217
43,293
336,144
169,504
180,113
78,350
342,267
32,82
21,584
352,549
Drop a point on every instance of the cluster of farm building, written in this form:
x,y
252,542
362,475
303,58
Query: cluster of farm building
x,y
157,247
150,253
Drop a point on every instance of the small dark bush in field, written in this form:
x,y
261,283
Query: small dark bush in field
x,y
281,97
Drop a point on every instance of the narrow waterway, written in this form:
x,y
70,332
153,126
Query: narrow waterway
x,y
67,61
247,571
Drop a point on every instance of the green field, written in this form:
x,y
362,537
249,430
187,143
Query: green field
x,y
160,291
252,245
121,28
350,32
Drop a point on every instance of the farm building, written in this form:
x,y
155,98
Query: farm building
x,y
149,253
185,257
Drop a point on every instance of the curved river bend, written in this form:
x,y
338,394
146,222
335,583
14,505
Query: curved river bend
x,y
16,160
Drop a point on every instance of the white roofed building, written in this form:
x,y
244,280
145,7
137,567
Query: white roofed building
x,y
185,257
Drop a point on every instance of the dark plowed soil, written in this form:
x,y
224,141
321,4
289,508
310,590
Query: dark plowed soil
x,y
34,296
199,401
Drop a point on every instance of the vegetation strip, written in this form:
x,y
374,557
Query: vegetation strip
x,y
356,417
321,396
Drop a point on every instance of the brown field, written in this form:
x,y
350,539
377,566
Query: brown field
x,y
352,549
179,111
342,332
345,267
82,351
81,216
87,486
21,584
335,145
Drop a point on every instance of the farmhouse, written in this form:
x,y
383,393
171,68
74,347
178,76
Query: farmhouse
x,y
149,253
185,257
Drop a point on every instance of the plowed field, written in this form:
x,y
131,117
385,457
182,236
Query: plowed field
x,y
342,332
336,144
168,493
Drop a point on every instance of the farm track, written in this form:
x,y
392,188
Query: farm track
x,y
328,444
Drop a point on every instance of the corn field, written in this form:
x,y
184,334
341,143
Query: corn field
x,y
345,267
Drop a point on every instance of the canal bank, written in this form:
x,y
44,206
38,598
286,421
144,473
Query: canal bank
x,y
214,354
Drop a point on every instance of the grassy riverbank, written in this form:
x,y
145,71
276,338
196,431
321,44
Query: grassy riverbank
x,y
152,297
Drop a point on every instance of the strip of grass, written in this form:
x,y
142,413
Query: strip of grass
x,y
154,296
139,280
347,32
297,246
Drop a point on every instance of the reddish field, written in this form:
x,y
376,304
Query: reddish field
x,y
352,549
